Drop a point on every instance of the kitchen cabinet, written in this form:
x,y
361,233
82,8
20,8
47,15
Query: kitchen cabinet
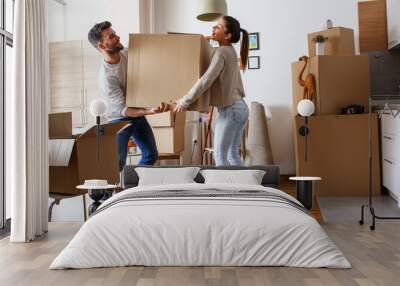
x,y
74,69
390,144
393,23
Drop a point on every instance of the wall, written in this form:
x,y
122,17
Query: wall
x,y
74,20
283,27
282,24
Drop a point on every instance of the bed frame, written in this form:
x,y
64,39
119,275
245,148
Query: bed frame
x,y
271,178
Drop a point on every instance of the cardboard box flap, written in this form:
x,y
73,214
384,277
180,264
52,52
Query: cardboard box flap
x,y
165,119
60,125
333,30
109,129
60,151
80,130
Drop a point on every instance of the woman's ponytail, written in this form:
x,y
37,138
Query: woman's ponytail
x,y
244,49
233,27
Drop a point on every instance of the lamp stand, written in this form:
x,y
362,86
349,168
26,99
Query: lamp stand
x,y
303,131
99,132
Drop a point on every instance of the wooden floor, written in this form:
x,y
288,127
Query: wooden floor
x,y
375,257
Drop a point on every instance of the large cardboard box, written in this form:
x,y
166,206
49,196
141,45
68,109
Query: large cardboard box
x,y
338,153
163,68
165,119
171,140
340,81
340,42
73,159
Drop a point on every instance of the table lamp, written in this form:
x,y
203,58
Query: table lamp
x,y
98,108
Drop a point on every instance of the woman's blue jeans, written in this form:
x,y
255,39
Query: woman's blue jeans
x,y
228,133
142,134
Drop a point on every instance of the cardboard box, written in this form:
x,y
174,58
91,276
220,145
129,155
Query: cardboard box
x,y
171,140
165,119
163,68
60,125
338,153
340,81
340,42
73,159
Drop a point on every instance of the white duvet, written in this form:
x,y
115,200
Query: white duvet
x,y
200,231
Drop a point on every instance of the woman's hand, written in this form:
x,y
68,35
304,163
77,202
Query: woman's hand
x,y
179,107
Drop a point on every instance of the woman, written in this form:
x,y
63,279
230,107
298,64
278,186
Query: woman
x,y
233,111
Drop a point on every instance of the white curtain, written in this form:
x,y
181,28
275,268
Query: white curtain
x,y
27,122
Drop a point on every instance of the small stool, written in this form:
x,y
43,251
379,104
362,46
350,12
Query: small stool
x,y
304,187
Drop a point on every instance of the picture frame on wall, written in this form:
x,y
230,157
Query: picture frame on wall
x,y
253,63
254,41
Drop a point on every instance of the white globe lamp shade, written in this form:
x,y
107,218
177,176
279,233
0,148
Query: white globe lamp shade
x,y
306,108
98,107
211,10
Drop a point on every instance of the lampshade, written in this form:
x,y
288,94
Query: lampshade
x,y
98,107
306,107
211,10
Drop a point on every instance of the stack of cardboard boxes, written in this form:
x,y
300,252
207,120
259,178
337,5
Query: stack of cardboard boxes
x,y
168,129
337,144
163,68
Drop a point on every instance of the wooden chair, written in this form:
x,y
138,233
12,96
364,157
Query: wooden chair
x,y
58,197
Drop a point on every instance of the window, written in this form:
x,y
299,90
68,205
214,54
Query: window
x,y
9,19
6,43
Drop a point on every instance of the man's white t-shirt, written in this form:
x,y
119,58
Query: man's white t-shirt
x,y
112,79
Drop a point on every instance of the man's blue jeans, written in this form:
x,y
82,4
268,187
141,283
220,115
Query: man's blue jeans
x,y
142,134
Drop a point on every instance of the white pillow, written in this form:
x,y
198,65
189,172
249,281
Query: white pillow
x,y
248,177
166,176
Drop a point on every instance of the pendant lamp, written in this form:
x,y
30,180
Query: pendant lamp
x,y
211,10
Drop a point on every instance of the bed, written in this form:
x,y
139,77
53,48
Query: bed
x,y
198,224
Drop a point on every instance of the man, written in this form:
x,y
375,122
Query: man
x,y
113,73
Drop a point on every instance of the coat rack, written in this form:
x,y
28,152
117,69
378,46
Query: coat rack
x,y
386,101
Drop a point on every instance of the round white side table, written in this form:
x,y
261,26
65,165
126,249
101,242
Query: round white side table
x,y
304,187
98,194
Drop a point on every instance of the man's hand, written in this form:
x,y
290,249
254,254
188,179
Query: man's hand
x,y
163,107
179,107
